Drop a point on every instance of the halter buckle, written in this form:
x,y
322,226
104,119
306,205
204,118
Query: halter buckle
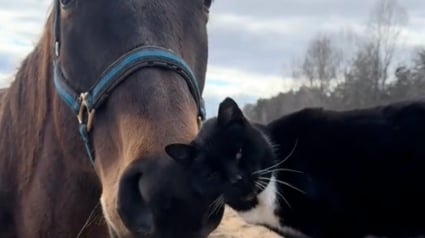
x,y
199,121
57,46
85,110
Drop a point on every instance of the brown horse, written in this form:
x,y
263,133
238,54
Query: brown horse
x,y
132,72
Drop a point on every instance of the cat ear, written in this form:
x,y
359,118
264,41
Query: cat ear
x,y
182,153
229,112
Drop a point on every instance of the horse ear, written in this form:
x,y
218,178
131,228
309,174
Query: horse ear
x,y
229,112
182,153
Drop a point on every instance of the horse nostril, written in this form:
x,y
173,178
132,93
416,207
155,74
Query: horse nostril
x,y
131,206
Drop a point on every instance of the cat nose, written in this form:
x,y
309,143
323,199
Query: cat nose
x,y
235,179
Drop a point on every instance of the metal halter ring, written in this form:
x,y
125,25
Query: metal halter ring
x,y
85,109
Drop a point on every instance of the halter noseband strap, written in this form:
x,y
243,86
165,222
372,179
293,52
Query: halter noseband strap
x,y
84,104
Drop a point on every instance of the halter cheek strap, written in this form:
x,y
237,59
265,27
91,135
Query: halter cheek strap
x,y
84,104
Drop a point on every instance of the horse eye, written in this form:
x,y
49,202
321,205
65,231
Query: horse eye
x,y
208,3
67,3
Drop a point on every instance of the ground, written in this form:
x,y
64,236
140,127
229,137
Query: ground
x,y
233,226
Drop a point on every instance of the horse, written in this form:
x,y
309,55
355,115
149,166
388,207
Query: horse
x,y
85,122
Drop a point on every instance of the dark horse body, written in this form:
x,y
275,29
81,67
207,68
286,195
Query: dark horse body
x,y
48,188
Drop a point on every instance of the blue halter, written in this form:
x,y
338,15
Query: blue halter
x,y
84,104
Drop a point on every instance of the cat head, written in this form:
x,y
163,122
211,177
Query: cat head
x,y
226,154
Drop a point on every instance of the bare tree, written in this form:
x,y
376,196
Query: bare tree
x,y
384,29
361,64
321,63
419,62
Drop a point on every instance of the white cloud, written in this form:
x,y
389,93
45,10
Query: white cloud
x,y
414,37
282,25
251,24
223,81
20,28
244,87
5,80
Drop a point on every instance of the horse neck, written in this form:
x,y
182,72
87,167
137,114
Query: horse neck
x,y
35,124
43,161
23,110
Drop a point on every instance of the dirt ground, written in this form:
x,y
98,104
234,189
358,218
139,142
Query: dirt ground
x,y
234,227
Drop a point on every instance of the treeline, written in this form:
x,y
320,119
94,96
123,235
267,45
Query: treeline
x,y
355,75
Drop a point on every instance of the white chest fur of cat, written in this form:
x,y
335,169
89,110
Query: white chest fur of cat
x,y
264,212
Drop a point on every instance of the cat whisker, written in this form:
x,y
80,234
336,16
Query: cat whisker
x,y
283,198
89,220
275,147
284,183
216,205
282,169
215,201
281,162
211,211
261,184
212,206
221,204
279,194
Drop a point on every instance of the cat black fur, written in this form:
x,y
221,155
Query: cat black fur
x,y
363,170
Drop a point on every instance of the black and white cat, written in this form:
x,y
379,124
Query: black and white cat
x,y
316,173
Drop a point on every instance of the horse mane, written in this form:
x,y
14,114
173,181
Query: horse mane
x,y
27,103
30,91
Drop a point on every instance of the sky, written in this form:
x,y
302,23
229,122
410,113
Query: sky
x,y
252,43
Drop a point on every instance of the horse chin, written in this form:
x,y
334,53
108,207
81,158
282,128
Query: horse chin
x,y
116,229
112,233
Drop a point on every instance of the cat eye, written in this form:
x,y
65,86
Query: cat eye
x,y
239,154
212,175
